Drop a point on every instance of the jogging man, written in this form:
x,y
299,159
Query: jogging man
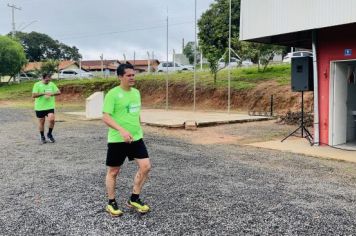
x,y
44,91
121,112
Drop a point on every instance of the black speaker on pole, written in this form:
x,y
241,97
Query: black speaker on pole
x,y
302,74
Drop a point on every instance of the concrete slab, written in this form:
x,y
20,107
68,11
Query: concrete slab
x,y
178,118
302,146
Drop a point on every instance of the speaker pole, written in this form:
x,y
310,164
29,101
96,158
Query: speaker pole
x,y
301,127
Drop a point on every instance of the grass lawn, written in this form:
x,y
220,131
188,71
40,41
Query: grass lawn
x,y
241,78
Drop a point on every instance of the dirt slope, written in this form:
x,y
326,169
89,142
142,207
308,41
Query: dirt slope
x,y
181,96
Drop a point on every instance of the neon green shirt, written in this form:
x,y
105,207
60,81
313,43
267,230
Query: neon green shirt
x,y
124,107
42,102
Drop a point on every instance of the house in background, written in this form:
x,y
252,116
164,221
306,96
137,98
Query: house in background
x,y
108,67
328,27
63,65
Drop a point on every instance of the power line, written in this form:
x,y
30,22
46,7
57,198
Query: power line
x,y
124,31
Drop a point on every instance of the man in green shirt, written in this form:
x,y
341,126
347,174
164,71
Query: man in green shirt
x,y
121,112
43,92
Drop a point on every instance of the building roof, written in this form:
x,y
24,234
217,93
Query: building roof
x,y
31,66
291,22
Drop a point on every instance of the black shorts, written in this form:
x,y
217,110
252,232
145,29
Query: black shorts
x,y
117,152
42,114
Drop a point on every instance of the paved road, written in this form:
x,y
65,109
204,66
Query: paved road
x,y
194,189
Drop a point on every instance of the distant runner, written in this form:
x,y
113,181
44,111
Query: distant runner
x,y
121,113
44,91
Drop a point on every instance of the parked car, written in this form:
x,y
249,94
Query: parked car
x,y
24,76
170,66
74,73
234,62
288,57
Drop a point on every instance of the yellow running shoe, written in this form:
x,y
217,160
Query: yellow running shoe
x,y
113,209
138,206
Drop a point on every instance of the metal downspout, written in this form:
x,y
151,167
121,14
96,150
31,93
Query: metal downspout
x,y
316,89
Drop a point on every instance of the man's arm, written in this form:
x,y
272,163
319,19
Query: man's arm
x,y
36,95
109,121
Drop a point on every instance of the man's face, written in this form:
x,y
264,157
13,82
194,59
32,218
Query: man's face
x,y
47,79
128,79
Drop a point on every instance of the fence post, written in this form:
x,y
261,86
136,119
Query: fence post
x,y
271,105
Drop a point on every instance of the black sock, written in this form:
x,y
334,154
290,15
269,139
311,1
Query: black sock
x,y
50,130
112,201
42,133
134,197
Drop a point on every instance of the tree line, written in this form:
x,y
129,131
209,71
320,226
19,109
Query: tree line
x,y
17,51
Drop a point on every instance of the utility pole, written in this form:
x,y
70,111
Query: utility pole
x,y
167,66
13,17
195,56
174,60
148,62
102,65
229,73
134,58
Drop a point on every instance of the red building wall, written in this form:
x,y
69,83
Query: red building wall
x,y
332,43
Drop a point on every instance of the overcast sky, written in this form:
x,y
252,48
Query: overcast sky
x,y
111,27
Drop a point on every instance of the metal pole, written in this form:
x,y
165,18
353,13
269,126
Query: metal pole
x,y
148,62
229,69
271,105
195,57
302,113
167,65
134,58
316,90
13,7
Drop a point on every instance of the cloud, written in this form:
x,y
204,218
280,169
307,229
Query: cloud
x,y
112,27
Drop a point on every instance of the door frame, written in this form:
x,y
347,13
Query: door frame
x,y
331,98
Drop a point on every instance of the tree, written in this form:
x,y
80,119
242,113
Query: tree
x,y
48,67
214,31
39,47
12,57
188,51
258,52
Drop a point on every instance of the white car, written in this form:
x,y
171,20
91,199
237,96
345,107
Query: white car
x,y
74,73
288,57
170,66
234,62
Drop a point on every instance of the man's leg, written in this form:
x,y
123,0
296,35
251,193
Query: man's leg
x,y
51,120
41,123
110,182
144,166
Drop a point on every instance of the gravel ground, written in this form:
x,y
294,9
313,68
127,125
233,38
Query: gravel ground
x,y
194,189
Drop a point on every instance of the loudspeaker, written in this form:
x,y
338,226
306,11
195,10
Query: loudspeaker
x,y
302,74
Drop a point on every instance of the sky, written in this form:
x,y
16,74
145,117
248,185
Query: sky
x,y
113,28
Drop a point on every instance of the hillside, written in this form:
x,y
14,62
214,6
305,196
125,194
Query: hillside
x,y
250,90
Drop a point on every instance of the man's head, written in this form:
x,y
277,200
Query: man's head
x,y
46,77
126,74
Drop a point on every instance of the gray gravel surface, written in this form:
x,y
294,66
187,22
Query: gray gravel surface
x,y
58,189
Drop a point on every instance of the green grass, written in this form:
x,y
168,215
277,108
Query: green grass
x,y
241,79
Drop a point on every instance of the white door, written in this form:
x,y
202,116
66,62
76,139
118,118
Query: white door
x,y
339,105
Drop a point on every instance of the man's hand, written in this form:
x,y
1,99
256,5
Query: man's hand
x,y
48,95
127,136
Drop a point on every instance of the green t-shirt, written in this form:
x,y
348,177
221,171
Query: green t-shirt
x,y
42,102
124,107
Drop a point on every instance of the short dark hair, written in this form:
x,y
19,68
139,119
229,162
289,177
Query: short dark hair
x,y
120,71
44,75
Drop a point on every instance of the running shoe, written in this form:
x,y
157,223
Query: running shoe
x,y
138,205
50,137
113,209
43,140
